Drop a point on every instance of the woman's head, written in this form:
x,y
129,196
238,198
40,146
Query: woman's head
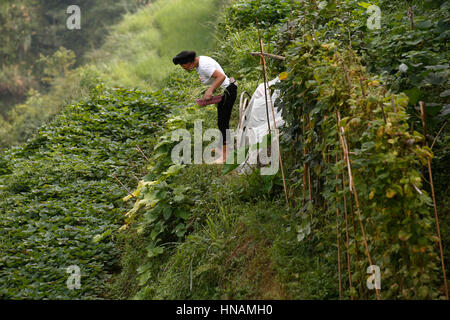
x,y
186,59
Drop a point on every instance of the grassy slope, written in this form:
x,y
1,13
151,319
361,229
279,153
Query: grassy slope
x,y
238,245
53,206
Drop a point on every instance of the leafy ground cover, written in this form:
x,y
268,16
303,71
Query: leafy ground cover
x,y
59,198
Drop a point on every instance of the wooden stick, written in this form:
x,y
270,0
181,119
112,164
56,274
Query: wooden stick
x,y
361,280
445,122
382,111
393,104
264,76
270,55
134,176
304,163
139,149
338,240
355,193
349,82
362,86
346,235
273,113
423,117
123,186
308,175
411,17
279,155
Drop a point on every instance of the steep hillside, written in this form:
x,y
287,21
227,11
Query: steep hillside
x,y
60,198
355,150
355,159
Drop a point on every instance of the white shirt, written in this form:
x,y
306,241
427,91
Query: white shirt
x,y
206,68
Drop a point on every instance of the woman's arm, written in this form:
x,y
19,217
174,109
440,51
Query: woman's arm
x,y
220,77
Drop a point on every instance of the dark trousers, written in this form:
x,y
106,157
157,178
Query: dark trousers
x,y
224,109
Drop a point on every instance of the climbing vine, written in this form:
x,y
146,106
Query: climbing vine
x,y
360,181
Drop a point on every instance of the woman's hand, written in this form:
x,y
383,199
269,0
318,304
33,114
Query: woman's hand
x,y
208,94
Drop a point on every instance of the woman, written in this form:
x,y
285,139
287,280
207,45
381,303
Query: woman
x,y
212,74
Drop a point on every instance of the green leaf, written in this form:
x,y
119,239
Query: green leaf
x,y
403,235
414,95
180,230
426,24
228,167
181,213
365,5
174,169
179,198
154,251
143,268
143,278
435,79
157,229
152,214
445,111
167,212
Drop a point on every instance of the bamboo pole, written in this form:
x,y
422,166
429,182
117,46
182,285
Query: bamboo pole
x,y
358,209
278,146
307,173
393,104
338,240
347,245
134,176
264,76
358,260
273,114
362,86
423,117
411,17
304,163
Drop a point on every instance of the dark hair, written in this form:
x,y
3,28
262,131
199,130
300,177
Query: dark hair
x,y
184,57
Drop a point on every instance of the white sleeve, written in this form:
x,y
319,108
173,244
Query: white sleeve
x,y
209,70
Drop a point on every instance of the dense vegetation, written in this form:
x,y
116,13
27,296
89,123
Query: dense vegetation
x,y
136,53
355,159
332,232
58,192
30,29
